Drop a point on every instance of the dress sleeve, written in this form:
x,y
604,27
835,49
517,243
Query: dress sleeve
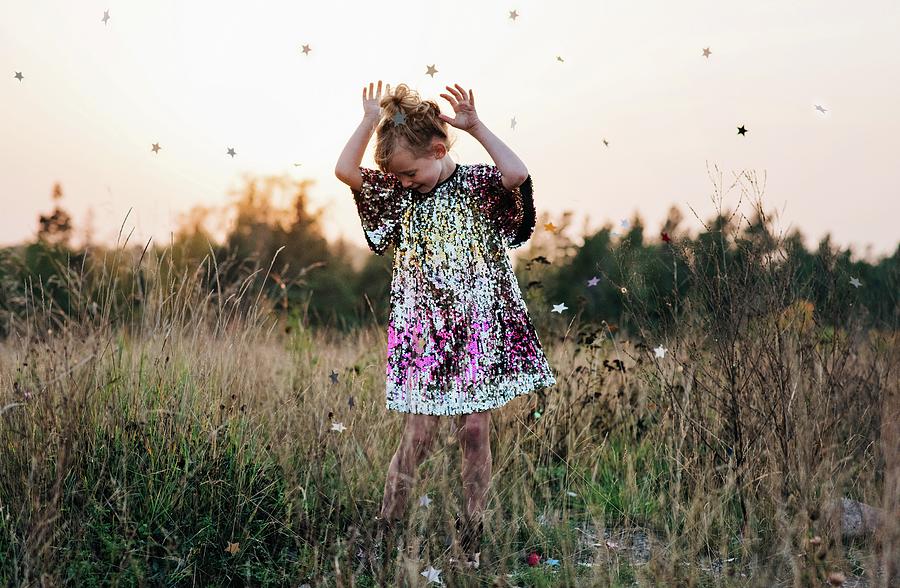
x,y
511,212
380,202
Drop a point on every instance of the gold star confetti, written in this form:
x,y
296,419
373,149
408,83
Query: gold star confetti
x,y
706,52
306,49
550,227
605,142
155,148
513,15
233,547
558,58
431,71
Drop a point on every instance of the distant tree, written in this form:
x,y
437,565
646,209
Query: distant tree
x,y
55,229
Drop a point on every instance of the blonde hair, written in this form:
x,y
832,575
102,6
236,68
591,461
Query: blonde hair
x,y
421,125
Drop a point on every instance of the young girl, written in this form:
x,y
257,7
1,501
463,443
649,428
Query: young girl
x,y
460,339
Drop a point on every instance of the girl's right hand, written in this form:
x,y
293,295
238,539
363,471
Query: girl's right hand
x,y
371,100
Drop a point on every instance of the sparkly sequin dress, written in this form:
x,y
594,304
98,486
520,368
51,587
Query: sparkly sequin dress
x,y
460,339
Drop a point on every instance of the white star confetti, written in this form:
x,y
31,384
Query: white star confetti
x,y
660,351
855,282
593,282
424,500
339,427
432,575
559,307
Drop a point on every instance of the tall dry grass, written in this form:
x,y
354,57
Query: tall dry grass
x,y
193,446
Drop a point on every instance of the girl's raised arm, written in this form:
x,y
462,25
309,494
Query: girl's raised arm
x,y
347,168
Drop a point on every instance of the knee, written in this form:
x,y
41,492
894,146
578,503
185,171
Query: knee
x,y
474,434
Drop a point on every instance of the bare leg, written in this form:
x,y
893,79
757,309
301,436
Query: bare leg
x,y
414,448
474,438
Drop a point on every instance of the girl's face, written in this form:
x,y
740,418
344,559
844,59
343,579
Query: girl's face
x,y
420,174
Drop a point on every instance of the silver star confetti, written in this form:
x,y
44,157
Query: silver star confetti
x,y
230,152
593,282
424,500
660,351
559,307
512,123
19,76
156,148
432,575
105,16
821,108
431,71
399,118
706,52
513,15
339,427
855,282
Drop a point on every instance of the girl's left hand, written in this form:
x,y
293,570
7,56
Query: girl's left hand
x,y
464,107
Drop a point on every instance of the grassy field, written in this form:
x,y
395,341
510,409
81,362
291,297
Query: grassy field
x,y
192,444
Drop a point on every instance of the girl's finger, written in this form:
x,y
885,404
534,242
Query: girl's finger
x,y
453,102
472,98
462,90
379,89
454,92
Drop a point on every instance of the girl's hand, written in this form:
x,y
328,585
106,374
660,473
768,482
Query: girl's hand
x,y
464,107
371,106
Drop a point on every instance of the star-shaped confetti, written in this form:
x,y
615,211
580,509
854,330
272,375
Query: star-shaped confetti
x,y
19,76
605,142
399,118
339,427
660,351
350,402
155,148
593,282
624,223
432,575
855,282
665,237
230,152
742,130
821,108
550,227
424,500
105,16
559,307
306,49
512,123
570,493
513,14
706,52
232,548
334,377
431,71
558,58
552,562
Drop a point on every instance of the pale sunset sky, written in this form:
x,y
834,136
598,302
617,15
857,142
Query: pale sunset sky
x,y
200,76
